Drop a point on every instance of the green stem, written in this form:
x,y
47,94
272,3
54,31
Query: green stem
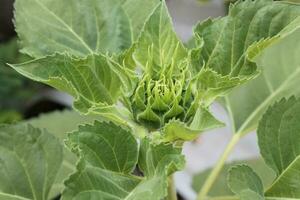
x,y
217,169
172,194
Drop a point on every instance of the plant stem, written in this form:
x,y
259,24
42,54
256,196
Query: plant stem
x,y
172,194
217,169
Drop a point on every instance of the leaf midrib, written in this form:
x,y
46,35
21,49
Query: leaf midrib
x,y
66,25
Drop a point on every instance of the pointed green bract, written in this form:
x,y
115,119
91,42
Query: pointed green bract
x,y
245,183
80,28
27,166
94,81
104,172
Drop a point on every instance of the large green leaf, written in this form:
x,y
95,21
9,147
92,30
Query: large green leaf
x,y
227,46
78,27
279,65
104,172
28,167
278,135
59,123
94,81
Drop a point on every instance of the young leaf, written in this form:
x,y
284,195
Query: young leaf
x,y
94,81
202,121
158,46
279,65
29,162
77,27
157,159
105,173
244,182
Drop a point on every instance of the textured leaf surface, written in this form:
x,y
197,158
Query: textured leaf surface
x,y
138,12
27,165
202,121
105,173
106,146
94,81
158,46
244,182
220,187
78,27
59,123
280,68
157,159
227,40
279,142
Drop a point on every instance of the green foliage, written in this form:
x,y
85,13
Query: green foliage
x,y
122,61
28,168
279,65
279,146
109,155
59,123
220,187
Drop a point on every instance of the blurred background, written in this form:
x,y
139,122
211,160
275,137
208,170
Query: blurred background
x,y
21,98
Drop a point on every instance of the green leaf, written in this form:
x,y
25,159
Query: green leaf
x,y
27,166
59,123
278,63
95,81
158,46
202,121
77,27
227,39
220,187
244,182
104,172
278,136
157,159
211,85
138,12
105,145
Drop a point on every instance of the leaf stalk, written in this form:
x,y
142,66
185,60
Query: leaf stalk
x,y
218,167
